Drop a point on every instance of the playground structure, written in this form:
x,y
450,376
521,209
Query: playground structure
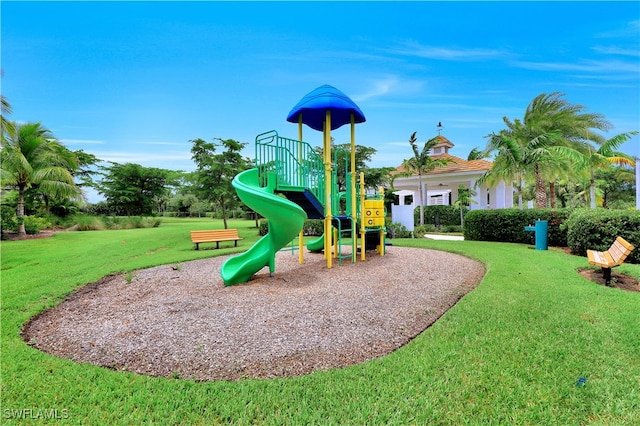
x,y
292,182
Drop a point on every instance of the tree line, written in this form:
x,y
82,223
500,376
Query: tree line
x,y
555,145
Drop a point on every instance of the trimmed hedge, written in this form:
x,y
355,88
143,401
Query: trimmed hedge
x,y
598,229
507,225
579,229
313,227
439,215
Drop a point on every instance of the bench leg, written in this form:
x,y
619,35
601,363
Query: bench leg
x,y
217,244
197,246
606,272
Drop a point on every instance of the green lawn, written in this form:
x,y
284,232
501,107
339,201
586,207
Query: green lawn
x,y
510,352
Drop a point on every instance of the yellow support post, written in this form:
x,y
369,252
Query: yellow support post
x,y
327,182
300,247
381,251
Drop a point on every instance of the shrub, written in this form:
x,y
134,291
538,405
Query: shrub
x,y
439,215
451,228
8,219
597,229
419,231
150,222
507,225
263,228
397,230
313,227
34,224
88,223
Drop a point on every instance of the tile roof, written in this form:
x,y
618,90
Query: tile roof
x,y
456,165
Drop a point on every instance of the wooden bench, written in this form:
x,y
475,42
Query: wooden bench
x,y
616,254
214,236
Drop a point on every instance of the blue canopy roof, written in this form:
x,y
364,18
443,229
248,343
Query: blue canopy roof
x,y
315,104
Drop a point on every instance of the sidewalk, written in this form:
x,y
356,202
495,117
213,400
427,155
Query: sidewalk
x,y
444,237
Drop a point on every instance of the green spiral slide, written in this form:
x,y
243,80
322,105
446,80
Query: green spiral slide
x,y
285,222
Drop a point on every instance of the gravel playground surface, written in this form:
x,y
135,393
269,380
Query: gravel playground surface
x,y
181,321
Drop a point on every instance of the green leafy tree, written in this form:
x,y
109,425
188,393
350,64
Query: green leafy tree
x,y
32,157
215,171
617,186
87,168
374,178
131,189
421,163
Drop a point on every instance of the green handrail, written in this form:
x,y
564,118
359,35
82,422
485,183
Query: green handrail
x,y
295,164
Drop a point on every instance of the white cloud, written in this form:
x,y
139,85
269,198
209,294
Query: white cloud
x,y
166,143
391,85
81,142
413,48
584,66
631,30
614,50
144,158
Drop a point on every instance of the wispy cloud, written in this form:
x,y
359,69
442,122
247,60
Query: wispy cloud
x,y
614,50
632,29
81,142
414,48
388,86
142,157
165,143
583,66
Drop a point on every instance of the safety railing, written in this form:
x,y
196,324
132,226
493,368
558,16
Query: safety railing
x,y
295,163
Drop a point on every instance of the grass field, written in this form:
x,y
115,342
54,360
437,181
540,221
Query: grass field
x,y
510,352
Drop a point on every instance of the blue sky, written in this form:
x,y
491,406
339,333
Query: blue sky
x,y
134,82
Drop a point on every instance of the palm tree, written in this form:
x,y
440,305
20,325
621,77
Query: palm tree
x,y
465,198
604,156
5,108
508,164
550,121
476,154
421,163
31,157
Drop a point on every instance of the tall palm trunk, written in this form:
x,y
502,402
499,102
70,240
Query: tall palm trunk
x,y
541,192
20,211
552,194
519,191
592,190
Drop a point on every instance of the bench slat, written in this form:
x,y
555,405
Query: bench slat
x,y
215,236
614,256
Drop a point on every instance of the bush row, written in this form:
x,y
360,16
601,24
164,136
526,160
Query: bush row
x,y
315,227
439,215
311,227
32,224
507,225
596,230
98,223
578,229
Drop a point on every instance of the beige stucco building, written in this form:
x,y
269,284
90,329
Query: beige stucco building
x,y
440,185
